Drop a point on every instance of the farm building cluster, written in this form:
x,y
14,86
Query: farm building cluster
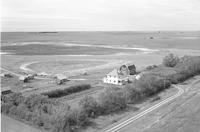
x,y
121,75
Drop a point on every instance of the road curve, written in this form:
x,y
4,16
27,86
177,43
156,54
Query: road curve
x,y
25,66
16,74
132,119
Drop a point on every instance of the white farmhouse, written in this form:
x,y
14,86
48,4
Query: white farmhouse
x,y
115,78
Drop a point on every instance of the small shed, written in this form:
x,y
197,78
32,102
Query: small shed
x,y
44,74
31,76
7,75
61,78
24,78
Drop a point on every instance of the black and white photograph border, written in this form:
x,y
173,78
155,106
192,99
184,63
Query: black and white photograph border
x,y
100,65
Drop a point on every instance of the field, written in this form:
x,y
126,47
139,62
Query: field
x,y
182,115
16,125
179,40
86,57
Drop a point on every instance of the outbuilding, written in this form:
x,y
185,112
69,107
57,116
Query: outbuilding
x,y
43,74
23,78
7,75
61,78
26,78
127,69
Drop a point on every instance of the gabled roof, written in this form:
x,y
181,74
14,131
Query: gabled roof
x,y
129,64
117,74
113,73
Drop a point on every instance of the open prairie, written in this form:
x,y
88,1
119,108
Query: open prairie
x,y
88,56
85,58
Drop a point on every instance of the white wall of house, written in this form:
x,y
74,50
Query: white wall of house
x,y
112,80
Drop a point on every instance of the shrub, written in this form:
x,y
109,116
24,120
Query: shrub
x,y
14,98
36,109
170,60
5,107
151,67
155,98
147,85
112,100
188,67
133,93
89,106
77,117
12,110
71,120
37,103
63,92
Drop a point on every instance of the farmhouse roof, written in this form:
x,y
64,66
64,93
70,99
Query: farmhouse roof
x,y
113,73
116,73
129,64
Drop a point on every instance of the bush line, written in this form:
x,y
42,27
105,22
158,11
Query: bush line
x,y
63,92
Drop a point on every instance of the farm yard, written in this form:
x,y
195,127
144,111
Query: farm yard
x,y
82,75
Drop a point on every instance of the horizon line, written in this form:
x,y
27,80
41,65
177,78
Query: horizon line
x,y
45,31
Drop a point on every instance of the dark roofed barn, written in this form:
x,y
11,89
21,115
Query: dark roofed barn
x,y
127,69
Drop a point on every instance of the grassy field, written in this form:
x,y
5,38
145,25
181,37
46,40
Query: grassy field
x,y
11,125
178,40
46,49
53,67
51,56
185,118
182,115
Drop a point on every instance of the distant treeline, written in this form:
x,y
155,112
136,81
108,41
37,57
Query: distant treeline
x,y
45,112
47,32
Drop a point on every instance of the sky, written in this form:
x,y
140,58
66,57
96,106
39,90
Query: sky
x,y
100,15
